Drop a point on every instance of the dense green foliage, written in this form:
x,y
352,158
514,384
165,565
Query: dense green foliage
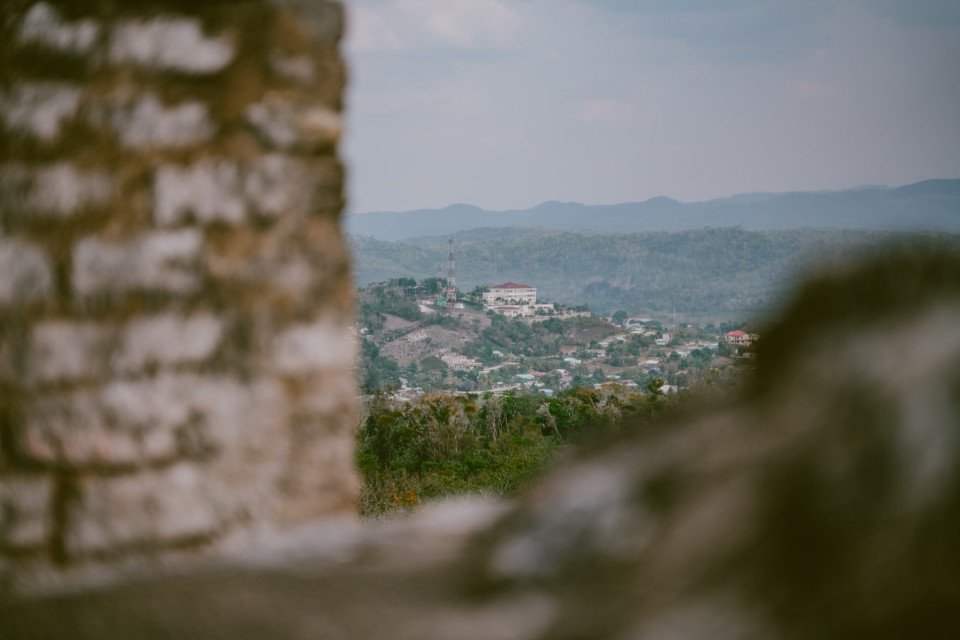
x,y
727,273
395,297
449,445
376,371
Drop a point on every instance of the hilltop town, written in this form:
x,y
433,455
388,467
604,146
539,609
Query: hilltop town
x,y
420,336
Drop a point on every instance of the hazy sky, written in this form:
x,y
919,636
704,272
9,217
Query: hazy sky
x,y
508,103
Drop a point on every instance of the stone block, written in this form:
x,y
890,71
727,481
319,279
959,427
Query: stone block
x,y
272,263
300,69
333,394
43,25
287,125
319,477
167,340
289,277
24,511
77,429
224,191
67,351
275,185
145,508
237,435
325,345
157,261
56,190
176,44
134,422
148,123
208,190
27,273
11,369
39,108
251,433
322,21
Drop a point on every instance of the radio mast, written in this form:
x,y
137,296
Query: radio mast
x,y
451,274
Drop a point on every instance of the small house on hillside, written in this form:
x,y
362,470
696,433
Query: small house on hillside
x,y
739,338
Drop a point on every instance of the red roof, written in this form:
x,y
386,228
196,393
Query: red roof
x,y
736,334
511,285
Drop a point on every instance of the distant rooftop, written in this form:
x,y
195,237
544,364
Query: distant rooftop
x,y
510,285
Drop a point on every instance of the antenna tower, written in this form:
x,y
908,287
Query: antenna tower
x,y
451,274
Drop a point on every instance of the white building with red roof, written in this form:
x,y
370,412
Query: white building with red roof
x,y
510,293
739,338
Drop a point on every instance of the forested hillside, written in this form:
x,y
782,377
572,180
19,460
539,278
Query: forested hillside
x,y
726,273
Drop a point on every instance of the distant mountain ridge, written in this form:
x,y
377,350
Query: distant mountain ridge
x,y
930,205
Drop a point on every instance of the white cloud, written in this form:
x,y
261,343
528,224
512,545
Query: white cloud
x,y
606,110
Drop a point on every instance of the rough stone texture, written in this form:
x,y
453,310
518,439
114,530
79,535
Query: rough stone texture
x,y
209,191
156,420
168,340
75,429
275,185
67,351
328,395
149,123
27,273
286,125
43,25
178,44
61,351
299,68
153,245
321,346
160,261
229,191
39,108
821,500
57,190
288,270
25,503
172,504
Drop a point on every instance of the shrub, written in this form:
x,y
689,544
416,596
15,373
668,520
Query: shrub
x,y
445,445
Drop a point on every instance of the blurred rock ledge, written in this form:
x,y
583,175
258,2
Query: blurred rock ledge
x,y
821,503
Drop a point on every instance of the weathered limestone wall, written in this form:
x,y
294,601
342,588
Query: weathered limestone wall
x,y
175,303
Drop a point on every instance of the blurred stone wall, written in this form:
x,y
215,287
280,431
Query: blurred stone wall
x,y
175,301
